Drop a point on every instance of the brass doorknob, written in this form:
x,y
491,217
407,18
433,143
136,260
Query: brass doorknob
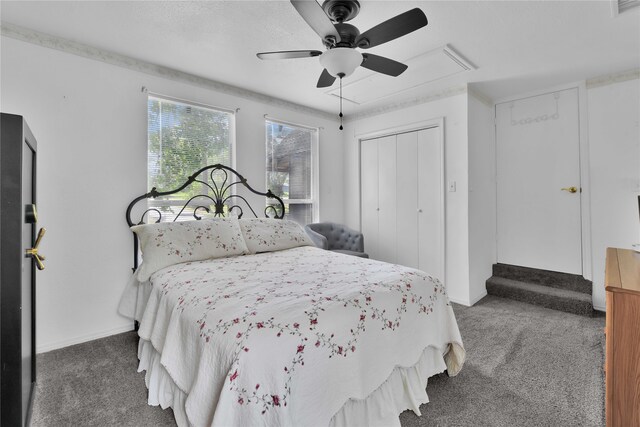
x,y
33,252
570,189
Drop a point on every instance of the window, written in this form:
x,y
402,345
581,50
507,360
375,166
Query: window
x,y
183,138
291,169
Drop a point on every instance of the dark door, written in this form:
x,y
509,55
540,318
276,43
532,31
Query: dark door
x,y
28,278
17,270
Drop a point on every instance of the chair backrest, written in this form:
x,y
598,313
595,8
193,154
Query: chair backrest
x,y
339,236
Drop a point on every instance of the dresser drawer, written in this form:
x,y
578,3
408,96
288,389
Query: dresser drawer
x,y
622,335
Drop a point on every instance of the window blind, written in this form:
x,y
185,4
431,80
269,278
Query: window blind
x,y
627,4
290,173
183,138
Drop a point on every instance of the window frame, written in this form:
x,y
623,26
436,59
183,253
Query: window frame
x,y
187,103
314,201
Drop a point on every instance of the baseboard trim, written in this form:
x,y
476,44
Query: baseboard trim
x,y
461,302
469,303
600,308
83,338
479,297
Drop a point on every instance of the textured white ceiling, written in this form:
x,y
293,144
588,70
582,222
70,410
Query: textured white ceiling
x,y
518,46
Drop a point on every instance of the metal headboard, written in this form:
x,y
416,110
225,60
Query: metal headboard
x,y
219,195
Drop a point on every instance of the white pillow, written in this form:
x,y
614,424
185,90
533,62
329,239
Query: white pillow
x,y
268,234
170,243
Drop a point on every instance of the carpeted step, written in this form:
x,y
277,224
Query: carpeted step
x,y
553,279
546,296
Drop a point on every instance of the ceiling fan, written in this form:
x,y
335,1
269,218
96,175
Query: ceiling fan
x,y
341,39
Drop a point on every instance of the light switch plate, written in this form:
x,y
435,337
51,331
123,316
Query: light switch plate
x,y
452,186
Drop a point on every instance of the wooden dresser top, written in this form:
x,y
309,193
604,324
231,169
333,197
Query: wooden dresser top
x,y
622,272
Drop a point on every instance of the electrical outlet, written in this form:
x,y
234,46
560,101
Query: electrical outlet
x,y
452,186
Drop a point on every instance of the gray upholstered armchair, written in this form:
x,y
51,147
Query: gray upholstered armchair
x,y
337,238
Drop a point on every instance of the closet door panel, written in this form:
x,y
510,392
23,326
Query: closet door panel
x,y
430,202
369,191
387,199
407,199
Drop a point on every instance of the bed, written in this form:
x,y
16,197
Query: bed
x,y
279,332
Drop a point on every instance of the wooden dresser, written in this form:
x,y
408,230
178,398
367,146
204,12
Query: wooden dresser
x,y
622,363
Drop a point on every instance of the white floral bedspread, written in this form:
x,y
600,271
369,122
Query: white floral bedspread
x,y
286,338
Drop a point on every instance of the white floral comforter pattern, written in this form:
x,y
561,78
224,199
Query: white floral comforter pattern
x,y
286,338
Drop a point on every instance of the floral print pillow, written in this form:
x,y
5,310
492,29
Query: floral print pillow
x,y
267,234
170,243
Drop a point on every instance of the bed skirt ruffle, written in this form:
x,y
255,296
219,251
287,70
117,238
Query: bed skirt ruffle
x,y
404,389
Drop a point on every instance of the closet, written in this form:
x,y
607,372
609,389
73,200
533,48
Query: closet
x,y
402,203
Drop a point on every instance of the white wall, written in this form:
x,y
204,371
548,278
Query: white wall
x,y
614,153
454,111
482,196
90,120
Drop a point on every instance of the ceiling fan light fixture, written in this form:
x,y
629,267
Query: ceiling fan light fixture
x,y
341,61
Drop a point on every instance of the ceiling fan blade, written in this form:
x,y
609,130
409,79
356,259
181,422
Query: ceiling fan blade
x,y
325,79
289,54
393,28
314,15
383,65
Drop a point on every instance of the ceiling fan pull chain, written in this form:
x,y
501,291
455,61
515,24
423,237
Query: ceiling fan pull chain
x,y
340,102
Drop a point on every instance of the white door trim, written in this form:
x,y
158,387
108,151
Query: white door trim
x,y
585,199
410,127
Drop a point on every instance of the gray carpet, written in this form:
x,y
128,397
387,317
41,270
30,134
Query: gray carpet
x,y
550,289
544,296
526,366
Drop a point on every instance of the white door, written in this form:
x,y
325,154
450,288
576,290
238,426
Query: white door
x,y
538,163
430,203
419,197
369,196
387,201
407,197
401,199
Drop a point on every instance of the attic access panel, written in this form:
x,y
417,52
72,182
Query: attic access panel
x,y
423,69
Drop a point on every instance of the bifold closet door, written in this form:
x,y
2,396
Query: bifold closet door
x,y
369,196
419,195
378,203
401,187
430,200
407,194
387,199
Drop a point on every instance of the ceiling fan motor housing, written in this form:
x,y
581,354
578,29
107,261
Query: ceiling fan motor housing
x,y
341,10
348,35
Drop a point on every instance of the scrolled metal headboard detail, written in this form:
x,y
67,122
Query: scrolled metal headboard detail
x,y
220,194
